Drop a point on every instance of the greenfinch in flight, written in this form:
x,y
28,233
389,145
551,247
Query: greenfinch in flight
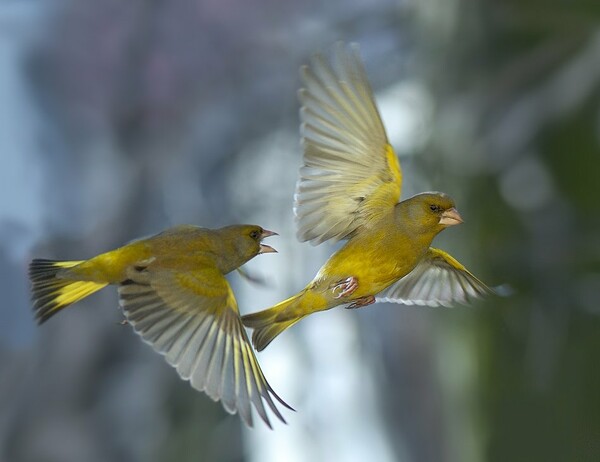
x,y
174,294
348,189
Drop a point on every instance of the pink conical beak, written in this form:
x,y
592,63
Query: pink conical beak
x,y
267,248
450,217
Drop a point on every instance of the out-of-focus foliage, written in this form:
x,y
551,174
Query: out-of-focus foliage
x,y
119,119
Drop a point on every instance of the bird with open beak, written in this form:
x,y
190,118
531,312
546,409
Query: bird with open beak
x,y
173,292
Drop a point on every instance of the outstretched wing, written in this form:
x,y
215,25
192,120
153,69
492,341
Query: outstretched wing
x,y
193,320
351,174
438,280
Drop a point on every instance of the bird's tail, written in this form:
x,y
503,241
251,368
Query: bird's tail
x,y
50,292
269,323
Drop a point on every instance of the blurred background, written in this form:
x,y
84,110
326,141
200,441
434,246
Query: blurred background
x,y
119,119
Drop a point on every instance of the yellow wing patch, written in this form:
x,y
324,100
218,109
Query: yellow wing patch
x,y
437,253
212,285
394,168
386,194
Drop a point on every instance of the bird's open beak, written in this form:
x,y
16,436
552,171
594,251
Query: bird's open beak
x,y
450,217
264,248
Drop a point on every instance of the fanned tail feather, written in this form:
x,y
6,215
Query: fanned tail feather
x,y
50,292
268,324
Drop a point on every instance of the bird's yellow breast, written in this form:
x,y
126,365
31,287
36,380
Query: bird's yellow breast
x,y
376,259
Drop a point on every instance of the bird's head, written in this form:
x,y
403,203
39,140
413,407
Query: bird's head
x,y
247,240
431,212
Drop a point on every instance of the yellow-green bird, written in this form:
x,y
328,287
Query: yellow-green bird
x,y
349,188
174,294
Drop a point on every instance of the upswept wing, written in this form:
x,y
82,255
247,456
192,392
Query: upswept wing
x,y
196,325
438,280
351,175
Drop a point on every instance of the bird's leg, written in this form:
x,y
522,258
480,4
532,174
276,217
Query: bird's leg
x,y
360,302
345,287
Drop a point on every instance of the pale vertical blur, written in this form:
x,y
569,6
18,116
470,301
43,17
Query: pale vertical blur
x,y
119,119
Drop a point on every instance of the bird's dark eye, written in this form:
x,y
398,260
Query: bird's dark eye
x,y
434,208
255,234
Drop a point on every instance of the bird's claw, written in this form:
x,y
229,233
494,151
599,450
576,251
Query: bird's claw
x,y
345,287
360,302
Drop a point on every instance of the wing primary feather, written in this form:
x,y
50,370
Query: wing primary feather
x,y
158,328
180,334
330,84
145,320
464,290
322,94
317,107
243,387
263,387
189,356
350,82
363,88
214,372
325,139
427,287
253,386
410,283
316,113
181,346
227,387
205,351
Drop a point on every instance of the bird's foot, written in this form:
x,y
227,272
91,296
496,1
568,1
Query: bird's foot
x,y
124,322
345,287
360,302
